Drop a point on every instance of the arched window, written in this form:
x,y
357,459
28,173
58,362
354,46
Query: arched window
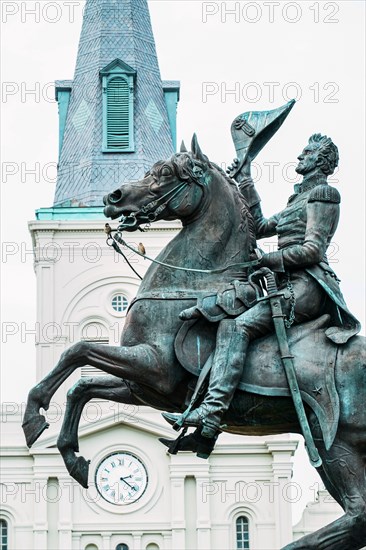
x,y
3,535
91,547
242,533
122,546
152,546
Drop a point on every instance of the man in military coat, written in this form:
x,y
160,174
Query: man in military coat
x,y
305,229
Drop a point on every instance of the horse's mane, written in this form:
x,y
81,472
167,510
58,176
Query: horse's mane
x,y
246,215
184,166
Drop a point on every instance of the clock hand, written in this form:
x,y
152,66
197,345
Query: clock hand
x,y
124,480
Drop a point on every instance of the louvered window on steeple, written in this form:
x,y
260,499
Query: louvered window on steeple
x,y
118,114
118,99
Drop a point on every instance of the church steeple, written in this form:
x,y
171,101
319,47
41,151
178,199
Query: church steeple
x,y
114,119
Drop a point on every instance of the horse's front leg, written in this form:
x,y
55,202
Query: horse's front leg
x,y
100,387
138,363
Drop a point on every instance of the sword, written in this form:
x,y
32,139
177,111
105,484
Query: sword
x,y
287,360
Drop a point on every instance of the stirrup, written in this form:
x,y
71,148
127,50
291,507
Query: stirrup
x,y
179,420
208,429
193,442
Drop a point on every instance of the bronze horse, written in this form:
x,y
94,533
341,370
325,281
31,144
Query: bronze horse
x,y
144,369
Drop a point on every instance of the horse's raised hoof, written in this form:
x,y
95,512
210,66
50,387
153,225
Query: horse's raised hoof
x,y
80,471
33,428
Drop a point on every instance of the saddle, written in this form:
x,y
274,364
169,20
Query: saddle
x,y
264,373
233,300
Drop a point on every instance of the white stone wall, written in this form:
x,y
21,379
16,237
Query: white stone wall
x,y
189,502
317,514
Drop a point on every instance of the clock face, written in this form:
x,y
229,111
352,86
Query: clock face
x,y
121,478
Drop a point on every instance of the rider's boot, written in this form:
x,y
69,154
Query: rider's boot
x,y
226,370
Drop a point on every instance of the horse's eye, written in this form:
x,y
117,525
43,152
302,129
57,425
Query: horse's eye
x,y
166,171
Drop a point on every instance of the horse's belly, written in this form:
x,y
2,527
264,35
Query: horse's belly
x,y
154,322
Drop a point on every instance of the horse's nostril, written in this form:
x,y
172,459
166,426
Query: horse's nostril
x,y
115,197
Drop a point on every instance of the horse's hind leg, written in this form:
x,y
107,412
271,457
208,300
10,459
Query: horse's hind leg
x,y
343,471
136,363
100,387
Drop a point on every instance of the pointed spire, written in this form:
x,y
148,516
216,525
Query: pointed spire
x,y
112,29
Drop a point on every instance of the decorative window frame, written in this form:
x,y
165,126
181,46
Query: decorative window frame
x,y
10,523
251,515
153,541
111,295
5,522
242,515
118,68
87,539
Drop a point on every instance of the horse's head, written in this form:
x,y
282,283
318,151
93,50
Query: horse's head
x,y
171,189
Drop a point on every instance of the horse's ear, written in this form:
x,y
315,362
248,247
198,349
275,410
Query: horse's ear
x,y
197,152
183,148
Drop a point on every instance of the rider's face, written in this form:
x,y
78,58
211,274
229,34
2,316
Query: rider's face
x,y
308,159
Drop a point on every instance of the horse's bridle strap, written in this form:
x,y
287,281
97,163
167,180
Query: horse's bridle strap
x,y
148,211
155,203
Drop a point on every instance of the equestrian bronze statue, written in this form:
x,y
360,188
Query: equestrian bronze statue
x,y
253,329
305,228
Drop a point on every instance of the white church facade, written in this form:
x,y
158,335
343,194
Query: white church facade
x,y
240,498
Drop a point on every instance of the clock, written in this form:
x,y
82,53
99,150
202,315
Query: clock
x,y
121,478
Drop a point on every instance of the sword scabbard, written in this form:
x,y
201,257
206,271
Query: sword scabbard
x,y
288,365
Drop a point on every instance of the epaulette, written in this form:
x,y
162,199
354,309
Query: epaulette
x,y
325,193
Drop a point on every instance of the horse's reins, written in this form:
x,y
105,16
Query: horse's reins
x,y
120,240
151,216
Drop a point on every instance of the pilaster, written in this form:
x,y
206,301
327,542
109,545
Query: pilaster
x,y
177,476
40,523
65,512
282,452
203,508
137,540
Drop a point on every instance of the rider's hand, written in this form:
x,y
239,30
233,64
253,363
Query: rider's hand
x,y
257,254
260,257
273,260
244,171
231,169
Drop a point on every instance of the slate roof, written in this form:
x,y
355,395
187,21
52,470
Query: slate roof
x,y
111,29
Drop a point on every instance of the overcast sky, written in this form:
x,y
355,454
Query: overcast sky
x,y
230,57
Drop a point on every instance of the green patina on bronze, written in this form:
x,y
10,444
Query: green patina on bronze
x,y
158,361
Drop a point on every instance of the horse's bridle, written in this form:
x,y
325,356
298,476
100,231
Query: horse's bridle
x,y
148,214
